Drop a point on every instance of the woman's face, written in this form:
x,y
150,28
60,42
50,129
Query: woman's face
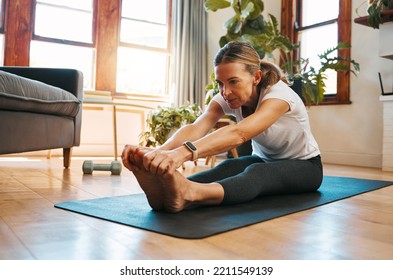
x,y
236,84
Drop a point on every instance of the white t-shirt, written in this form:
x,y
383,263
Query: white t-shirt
x,y
290,136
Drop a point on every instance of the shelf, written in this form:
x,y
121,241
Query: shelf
x,y
386,16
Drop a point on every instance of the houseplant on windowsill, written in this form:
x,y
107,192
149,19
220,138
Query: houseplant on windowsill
x,y
248,24
165,120
312,80
375,12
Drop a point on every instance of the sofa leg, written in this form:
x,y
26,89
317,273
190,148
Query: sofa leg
x,y
67,152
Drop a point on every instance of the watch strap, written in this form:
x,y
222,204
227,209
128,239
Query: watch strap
x,y
193,149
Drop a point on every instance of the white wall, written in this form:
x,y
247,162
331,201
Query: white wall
x,y
347,134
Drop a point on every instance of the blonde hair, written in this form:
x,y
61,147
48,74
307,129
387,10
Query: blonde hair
x,y
243,52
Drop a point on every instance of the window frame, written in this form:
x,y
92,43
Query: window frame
x,y
91,81
2,16
291,12
105,39
166,50
64,41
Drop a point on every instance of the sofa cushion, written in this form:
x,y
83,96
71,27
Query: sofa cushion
x,y
22,94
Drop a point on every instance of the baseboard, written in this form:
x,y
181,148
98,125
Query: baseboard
x,y
354,159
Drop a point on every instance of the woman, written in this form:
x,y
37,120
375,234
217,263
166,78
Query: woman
x,y
286,158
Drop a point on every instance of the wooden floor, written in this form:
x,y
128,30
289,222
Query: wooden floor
x,y
358,228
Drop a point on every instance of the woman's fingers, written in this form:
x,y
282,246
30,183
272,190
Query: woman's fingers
x,y
154,161
159,162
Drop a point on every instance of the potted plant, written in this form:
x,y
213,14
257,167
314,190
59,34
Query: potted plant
x,y
311,81
375,11
248,24
165,120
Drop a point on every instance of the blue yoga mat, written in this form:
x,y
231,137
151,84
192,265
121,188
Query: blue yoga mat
x,y
133,210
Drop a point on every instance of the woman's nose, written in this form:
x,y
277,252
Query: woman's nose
x,y
224,92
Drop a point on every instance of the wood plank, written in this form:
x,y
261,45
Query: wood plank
x,y
108,14
360,227
18,33
11,247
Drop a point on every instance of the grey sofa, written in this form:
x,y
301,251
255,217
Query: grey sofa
x,y
40,109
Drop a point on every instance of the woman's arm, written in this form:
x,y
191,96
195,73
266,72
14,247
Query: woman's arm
x,y
219,141
173,153
231,136
196,130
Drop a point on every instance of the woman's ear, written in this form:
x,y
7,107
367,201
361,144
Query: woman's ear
x,y
257,77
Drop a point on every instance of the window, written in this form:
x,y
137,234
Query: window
x,y
143,53
317,32
318,25
120,45
2,5
70,20
63,36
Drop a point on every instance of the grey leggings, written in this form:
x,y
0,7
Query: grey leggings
x,y
248,177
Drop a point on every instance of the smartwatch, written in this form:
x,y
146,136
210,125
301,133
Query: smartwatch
x,y
193,149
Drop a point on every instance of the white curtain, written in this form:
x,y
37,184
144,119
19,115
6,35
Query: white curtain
x,y
189,52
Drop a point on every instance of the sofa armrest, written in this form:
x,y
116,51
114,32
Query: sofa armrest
x,y
70,80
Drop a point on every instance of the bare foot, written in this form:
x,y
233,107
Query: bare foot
x,y
149,183
173,192
179,193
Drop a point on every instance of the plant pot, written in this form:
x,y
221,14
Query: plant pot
x,y
297,87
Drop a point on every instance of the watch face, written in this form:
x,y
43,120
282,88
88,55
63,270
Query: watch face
x,y
191,146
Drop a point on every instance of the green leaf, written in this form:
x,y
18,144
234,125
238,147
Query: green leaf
x,y
274,24
161,121
254,26
258,9
223,41
388,3
233,25
245,11
374,15
214,5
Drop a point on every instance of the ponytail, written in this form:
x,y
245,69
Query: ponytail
x,y
271,74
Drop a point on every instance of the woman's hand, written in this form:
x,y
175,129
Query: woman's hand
x,y
161,162
155,161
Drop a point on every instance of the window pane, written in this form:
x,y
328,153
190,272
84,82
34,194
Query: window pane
x,y
43,54
143,25
76,4
65,23
140,71
316,41
146,10
314,11
1,49
142,33
1,15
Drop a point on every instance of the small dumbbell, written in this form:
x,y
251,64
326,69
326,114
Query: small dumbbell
x,y
88,167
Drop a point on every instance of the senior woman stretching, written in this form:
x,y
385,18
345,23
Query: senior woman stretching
x,y
285,159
